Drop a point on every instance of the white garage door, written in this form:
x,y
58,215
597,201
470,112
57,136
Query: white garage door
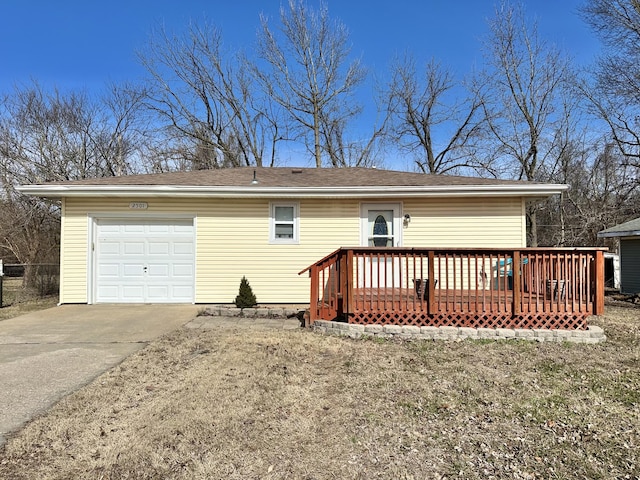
x,y
150,261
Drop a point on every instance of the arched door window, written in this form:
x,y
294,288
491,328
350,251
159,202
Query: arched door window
x,y
381,228
380,232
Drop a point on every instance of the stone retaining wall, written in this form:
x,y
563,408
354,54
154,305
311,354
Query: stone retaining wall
x,y
593,334
261,312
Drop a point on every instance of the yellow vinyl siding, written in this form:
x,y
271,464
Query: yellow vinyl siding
x,y
272,269
73,257
465,222
232,238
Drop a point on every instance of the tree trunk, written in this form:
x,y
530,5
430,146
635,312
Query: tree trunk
x,y
533,227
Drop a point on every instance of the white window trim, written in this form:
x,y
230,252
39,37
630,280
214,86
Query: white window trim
x,y
296,224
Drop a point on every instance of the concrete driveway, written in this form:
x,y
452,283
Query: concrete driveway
x,y
48,354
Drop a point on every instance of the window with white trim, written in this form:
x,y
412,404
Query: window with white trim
x,y
284,223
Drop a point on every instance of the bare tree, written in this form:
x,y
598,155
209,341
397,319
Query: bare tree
x,y
55,136
123,137
29,233
527,106
342,152
615,96
603,192
429,121
207,104
310,78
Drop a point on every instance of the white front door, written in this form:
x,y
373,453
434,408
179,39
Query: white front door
x,y
144,261
380,227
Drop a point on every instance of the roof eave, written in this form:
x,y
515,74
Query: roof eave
x,y
60,191
628,233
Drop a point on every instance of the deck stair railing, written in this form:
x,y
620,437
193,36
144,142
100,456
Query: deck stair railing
x,y
515,288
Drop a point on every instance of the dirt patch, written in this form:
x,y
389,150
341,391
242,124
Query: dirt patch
x,y
237,404
621,299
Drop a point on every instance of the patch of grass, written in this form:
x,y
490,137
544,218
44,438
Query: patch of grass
x,y
620,387
551,367
16,300
374,339
543,408
225,403
481,341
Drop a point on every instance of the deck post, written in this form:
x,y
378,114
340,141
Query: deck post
x,y
517,282
431,284
313,307
340,291
348,284
598,304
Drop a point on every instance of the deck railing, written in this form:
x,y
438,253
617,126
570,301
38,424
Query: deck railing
x,y
515,288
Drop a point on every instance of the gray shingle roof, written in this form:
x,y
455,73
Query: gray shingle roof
x,y
292,182
292,177
626,229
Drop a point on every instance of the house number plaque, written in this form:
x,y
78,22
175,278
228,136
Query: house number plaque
x,y
138,205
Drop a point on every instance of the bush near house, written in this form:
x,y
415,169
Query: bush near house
x,y
246,297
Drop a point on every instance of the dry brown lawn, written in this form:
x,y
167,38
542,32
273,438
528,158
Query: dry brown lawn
x,y
230,403
16,301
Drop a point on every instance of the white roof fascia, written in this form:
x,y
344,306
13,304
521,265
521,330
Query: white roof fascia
x,y
59,191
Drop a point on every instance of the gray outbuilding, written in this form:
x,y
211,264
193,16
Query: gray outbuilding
x,y
628,234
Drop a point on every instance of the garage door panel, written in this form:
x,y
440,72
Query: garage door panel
x,y
186,229
159,248
140,261
180,291
133,293
133,228
158,292
159,270
110,270
110,248
132,270
182,270
109,228
160,229
182,248
134,248
108,292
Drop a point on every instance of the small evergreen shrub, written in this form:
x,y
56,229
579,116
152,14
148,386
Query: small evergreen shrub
x,y
245,298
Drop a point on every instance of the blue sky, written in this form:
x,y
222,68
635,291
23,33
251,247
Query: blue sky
x,y
83,44
71,44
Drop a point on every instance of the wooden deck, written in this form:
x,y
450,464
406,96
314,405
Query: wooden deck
x,y
551,288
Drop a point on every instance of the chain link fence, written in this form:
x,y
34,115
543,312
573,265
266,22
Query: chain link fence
x,y
38,279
